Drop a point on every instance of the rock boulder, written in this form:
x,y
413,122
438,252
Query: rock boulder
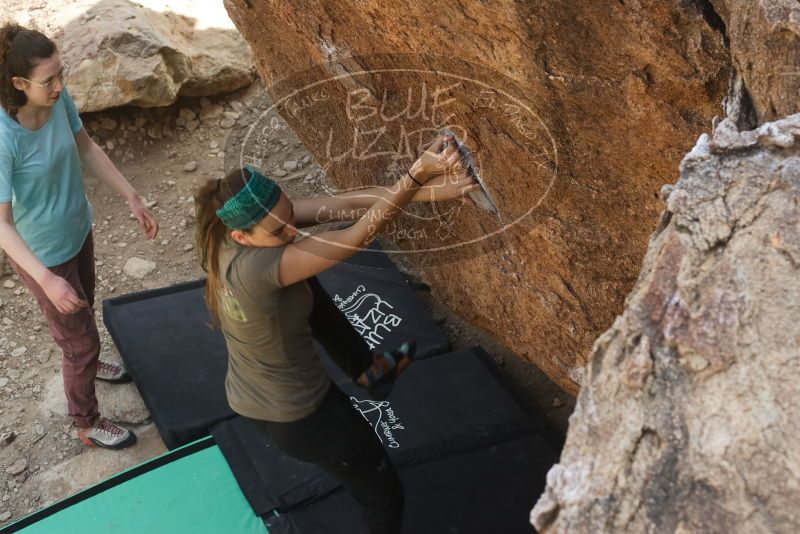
x,y
689,420
144,54
576,114
765,44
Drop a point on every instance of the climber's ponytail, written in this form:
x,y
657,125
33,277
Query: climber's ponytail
x,y
20,51
211,232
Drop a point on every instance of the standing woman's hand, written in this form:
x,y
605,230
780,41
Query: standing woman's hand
x,y
61,294
145,217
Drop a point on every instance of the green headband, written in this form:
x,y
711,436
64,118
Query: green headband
x,y
252,203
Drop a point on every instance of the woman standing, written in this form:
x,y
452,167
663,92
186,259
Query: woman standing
x,y
46,219
262,292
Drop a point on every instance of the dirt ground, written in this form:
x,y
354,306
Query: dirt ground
x,y
165,153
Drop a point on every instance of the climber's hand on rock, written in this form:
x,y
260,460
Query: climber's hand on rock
x,y
454,186
431,162
450,160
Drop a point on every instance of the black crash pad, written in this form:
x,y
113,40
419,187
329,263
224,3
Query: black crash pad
x,y
441,406
176,360
179,363
483,491
380,304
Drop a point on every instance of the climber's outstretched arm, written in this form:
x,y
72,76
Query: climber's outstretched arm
x,y
352,205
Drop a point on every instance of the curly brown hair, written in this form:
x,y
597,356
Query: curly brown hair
x,y
21,50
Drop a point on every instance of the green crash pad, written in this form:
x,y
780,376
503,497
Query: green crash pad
x,y
190,489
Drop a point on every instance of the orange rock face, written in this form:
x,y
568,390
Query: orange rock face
x,y
576,112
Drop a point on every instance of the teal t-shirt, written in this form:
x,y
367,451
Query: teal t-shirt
x,y
41,175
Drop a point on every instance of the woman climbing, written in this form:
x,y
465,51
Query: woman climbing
x,y
46,219
262,292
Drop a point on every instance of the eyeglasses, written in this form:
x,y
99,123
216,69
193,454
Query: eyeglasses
x,y
49,85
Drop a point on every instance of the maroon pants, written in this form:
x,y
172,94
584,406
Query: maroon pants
x,y
76,333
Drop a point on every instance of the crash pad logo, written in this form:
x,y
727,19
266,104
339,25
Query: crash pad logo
x,y
383,419
370,315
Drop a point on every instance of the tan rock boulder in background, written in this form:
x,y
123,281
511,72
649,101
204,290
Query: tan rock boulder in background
x,y
144,54
577,112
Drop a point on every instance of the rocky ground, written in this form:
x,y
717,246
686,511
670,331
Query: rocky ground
x,y
165,153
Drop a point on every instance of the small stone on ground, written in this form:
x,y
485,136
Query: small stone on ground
x,y
17,467
138,267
